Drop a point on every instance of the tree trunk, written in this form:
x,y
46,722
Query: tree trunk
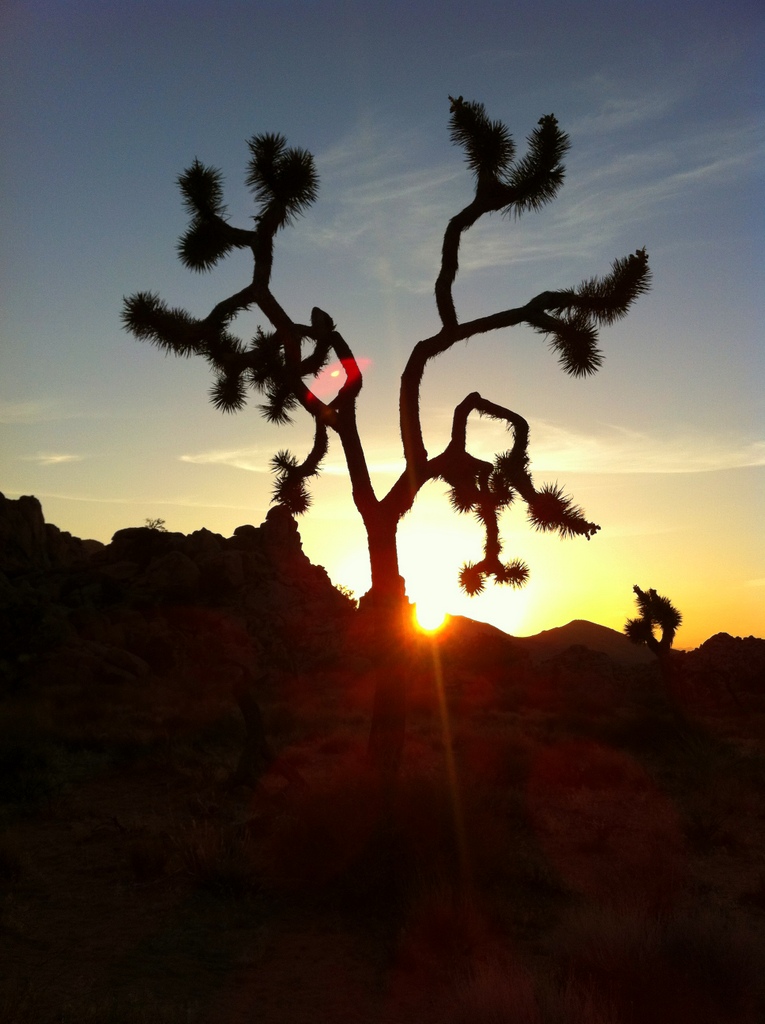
x,y
388,588
386,607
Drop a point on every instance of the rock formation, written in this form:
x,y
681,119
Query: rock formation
x,y
89,609
725,664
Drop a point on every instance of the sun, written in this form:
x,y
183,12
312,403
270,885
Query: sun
x,y
429,617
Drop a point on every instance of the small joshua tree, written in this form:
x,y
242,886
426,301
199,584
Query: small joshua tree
x,y
285,357
655,611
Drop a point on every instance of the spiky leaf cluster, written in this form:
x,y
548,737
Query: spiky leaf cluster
x,y
573,330
202,244
608,299
574,339
464,497
206,240
267,373
290,485
266,358
283,179
550,510
474,576
511,463
202,190
472,579
537,177
467,497
502,183
228,392
147,317
482,488
279,404
502,491
488,145
639,631
604,300
514,574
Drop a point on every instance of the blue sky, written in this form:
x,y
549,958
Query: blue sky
x,y
103,106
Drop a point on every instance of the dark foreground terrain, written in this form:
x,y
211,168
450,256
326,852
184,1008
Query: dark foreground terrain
x,y
572,840
561,848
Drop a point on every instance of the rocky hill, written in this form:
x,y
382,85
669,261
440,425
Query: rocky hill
x,y
125,607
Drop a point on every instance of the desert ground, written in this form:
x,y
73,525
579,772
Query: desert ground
x,y
567,842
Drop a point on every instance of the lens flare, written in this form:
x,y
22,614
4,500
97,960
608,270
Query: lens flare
x,y
329,380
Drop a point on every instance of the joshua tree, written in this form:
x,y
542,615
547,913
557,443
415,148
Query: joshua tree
x,y
284,358
655,611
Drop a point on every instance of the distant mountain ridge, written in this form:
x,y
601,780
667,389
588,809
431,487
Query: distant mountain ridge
x,y
551,642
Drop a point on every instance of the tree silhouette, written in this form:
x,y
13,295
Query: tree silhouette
x,y
655,612
284,358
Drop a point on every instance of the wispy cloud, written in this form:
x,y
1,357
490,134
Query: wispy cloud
x,y
623,188
44,410
52,458
32,411
254,460
379,178
552,449
617,111
390,217
624,451
178,502
627,188
616,450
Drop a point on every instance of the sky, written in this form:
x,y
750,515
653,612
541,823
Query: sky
x,y
103,106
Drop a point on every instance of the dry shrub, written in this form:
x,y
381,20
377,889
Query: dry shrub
x,y
444,942
497,759
149,857
23,1004
324,830
10,865
445,933
577,1003
682,969
220,859
496,993
606,827
755,897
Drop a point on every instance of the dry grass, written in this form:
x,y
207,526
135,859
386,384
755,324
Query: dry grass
x,y
695,966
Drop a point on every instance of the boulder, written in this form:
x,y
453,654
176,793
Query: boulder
x,y
734,663
140,544
202,544
23,541
173,575
64,550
